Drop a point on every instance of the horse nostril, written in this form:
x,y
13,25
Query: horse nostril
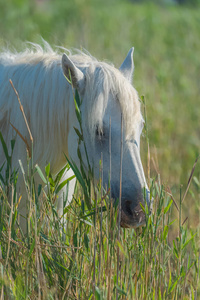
x,y
128,207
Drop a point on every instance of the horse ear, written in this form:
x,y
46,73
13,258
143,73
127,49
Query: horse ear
x,y
127,66
73,73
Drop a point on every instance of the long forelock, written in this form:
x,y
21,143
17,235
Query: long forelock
x,y
103,80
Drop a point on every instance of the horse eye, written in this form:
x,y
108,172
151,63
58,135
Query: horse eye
x,y
99,132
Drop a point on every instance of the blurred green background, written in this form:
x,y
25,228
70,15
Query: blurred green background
x,y
166,37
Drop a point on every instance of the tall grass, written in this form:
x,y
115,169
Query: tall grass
x,y
80,261
86,256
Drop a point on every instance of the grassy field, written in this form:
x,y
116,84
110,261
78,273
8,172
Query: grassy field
x,y
161,261
167,62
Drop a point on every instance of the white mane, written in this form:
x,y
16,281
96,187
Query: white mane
x,y
37,73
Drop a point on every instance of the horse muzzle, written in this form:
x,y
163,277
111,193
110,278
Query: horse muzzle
x,y
133,212
132,217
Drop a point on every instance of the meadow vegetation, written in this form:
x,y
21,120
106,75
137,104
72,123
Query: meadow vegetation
x,y
89,260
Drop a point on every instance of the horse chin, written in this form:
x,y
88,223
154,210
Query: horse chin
x,y
136,225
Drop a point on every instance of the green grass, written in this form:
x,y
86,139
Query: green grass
x,y
85,254
92,258
161,260
167,62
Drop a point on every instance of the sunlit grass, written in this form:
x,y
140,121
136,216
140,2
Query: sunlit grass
x,y
79,260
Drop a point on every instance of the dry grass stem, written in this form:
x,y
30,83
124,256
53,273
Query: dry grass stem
x,y
26,122
190,179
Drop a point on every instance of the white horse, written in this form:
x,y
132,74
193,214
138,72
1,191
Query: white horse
x,y
48,102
